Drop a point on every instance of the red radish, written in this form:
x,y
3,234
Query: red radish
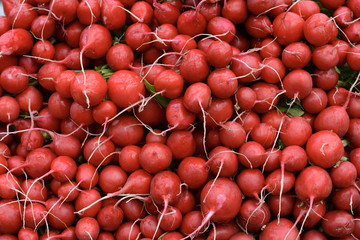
x,y
182,144
170,82
86,204
191,23
14,79
10,217
178,116
104,111
324,148
142,12
190,222
273,70
58,106
282,205
242,236
250,182
16,41
252,216
245,98
317,213
346,199
258,27
112,178
9,186
353,133
319,29
186,202
235,11
8,61
129,158
33,190
194,66
5,25
133,209
270,48
48,73
155,157
248,120
10,109
129,81
119,57
87,176
87,228
88,12
126,130
352,58
279,182
197,97
295,131
138,37
97,151
232,134
64,11
264,134
305,8
338,223
193,172
296,55
266,95
322,62
288,28
148,227
316,101
27,233
166,13
223,161
128,230
246,68
113,15
110,218
223,231
215,202
279,229
297,84
89,39
59,215
219,54
222,83
343,175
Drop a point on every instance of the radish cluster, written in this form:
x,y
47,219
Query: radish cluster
x,y
169,120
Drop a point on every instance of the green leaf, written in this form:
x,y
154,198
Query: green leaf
x,y
295,110
163,101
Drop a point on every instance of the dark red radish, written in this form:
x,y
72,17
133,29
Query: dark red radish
x,y
126,130
166,13
293,158
167,32
190,222
279,182
10,217
59,216
178,116
296,55
64,11
297,84
128,80
165,188
324,148
316,101
355,159
279,229
68,191
16,41
223,231
58,106
310,191
110,218
242,236
191,23
295,131
182,144
113,15
197,97
265,134
87,176
222,83
281,205
155,157
193,171
170,83
172,219
14,79
266,95
346,198
273,70
253,216
87,203
112,178
5,24
209,10
129,158
232,134
353,133
352,58
33,190
148,227
142,12
288,28
251,154
8,61
313,234
319,29
270,48
10,184
351,32
235,11
326,80
89,39
343,174
246,67
305,8
219,54
250,182
338,223
325,57
138,37
186,202
353,5
223,161
30,99
316,214
119,57
128,230
258,26
104,111
88,12
133,209
194,66
245,98
155,136
87,228
48,73
27,233
97,151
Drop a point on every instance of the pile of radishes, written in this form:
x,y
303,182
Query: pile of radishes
x,y
180,119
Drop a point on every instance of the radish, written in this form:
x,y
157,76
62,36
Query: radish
x,y
324,148
288,28
87,228
338,223
319,29
10,217
112,14
279,229
89,39
16,42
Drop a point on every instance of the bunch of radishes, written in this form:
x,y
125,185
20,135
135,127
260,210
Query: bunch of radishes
x,y
179,119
